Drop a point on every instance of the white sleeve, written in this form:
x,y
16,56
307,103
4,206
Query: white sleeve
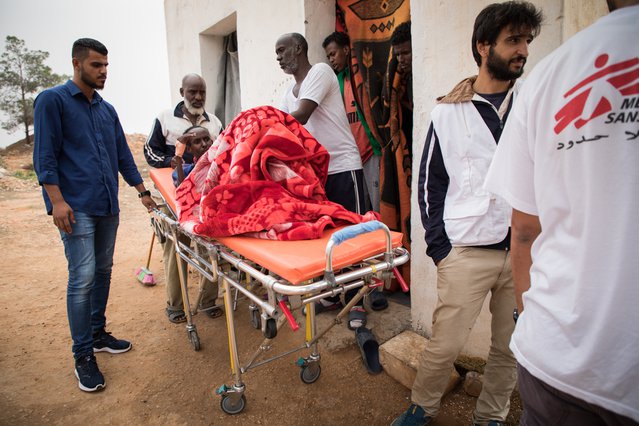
x,y
511,173
317,83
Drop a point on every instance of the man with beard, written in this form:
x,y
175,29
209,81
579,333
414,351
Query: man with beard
x,y
159,151
79,149
467,228
314,99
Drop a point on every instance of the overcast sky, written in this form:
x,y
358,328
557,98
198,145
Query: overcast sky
x,y
132,30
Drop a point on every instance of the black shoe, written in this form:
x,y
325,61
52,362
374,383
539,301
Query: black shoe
x,y
104,342
88,374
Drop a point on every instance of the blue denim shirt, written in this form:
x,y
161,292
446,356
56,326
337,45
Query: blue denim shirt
x,y
80,146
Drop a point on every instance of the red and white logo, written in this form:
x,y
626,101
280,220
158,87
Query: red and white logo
x,y
598,93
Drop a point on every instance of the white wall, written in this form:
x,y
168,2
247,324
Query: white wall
x,y
441,58
195,28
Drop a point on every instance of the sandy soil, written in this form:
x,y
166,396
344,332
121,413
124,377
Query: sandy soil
x,y
162,380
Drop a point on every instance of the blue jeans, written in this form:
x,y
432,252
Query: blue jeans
x,y
89,251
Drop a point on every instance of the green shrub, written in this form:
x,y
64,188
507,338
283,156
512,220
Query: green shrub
x,y
25,175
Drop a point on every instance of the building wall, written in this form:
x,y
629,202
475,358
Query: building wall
x,y
195,29
441,57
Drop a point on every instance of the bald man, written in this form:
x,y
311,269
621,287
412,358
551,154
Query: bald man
x,y
159,151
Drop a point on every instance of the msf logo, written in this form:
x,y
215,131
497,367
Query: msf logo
x,y
598,93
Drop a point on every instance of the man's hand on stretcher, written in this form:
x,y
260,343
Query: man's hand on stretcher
x,y
145,197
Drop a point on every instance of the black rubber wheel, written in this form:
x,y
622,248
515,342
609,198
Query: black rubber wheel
x,y
271,329
256,320
310,373
195,340
229,408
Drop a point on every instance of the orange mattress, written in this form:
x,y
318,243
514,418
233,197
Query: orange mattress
x,y
295,261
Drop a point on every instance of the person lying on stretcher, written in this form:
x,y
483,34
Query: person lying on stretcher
x,y
195,140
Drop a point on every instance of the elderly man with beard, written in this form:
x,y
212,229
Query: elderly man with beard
x,y
314,99
316,102
467,228
159,151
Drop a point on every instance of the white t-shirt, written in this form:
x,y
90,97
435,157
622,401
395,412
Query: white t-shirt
x,y
328,122
570,155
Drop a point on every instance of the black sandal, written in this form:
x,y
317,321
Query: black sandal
x,y
213,311
176,316
378,300
356,315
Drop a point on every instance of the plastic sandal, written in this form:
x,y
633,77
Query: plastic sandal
x,y
378,300
356,315
213,311
369,348
176,316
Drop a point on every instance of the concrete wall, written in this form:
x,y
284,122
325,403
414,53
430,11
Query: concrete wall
x,y
195,30
441,57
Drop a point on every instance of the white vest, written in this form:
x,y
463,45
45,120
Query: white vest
x,y
472,215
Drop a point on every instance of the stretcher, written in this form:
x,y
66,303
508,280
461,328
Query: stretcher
x,y
278,278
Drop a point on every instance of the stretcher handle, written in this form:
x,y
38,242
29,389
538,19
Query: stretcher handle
x,y
400,280
353,231
289,316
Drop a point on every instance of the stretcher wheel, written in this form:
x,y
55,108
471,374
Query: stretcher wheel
x,y
310,373
256,320
271,329
195,340
232,408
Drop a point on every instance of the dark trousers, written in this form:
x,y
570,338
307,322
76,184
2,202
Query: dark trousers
x,y
347,189
547,406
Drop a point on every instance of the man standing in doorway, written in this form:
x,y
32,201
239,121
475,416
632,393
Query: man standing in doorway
x,y
467,229
338,53
159,151
79,149
571,176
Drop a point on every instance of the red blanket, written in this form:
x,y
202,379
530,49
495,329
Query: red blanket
x,y
264,177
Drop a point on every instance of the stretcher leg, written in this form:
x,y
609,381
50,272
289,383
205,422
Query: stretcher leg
x,y
233,399
183,274
310,368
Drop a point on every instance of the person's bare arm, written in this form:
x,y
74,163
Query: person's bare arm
x,y
146,200
525,229
62,212
304,111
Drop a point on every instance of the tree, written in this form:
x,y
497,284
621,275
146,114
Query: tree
x,y
22,75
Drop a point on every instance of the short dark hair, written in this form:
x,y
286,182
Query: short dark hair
x,y
82,46
299,38
401,34
339,38
497,16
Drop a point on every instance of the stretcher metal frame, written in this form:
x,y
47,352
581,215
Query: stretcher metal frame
x,y
215,260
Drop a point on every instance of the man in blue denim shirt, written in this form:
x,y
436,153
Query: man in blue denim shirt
x,y
79,149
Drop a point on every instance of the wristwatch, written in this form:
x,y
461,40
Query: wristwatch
x,y
144,193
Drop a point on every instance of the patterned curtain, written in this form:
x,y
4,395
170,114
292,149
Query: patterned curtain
x,y
385,98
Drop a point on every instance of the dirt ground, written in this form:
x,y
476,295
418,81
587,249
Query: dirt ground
x,y
162,380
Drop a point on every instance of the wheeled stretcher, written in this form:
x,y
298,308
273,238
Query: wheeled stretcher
x,y
278,278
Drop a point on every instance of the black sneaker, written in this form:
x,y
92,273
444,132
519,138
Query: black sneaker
x,y
104,342
88,374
